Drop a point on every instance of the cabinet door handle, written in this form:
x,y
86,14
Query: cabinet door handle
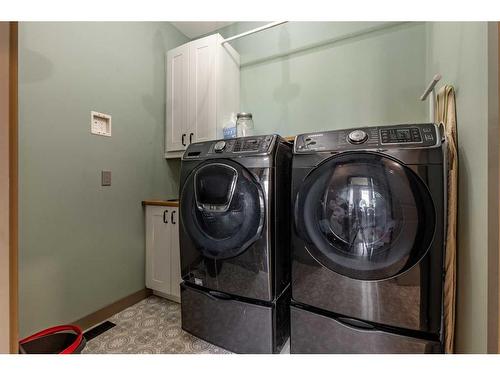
x,y
165,213
172,217
182,140
191,138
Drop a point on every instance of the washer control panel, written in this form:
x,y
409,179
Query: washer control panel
x,y
243,145
411,135
231,147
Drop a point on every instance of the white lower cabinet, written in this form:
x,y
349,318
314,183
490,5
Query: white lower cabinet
x,y
163,268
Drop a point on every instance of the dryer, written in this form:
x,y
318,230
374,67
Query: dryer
x,y
234,241
368,240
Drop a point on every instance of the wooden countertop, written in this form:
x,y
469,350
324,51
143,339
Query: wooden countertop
x,y
174,203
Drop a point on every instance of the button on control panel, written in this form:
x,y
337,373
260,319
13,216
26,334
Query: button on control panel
x,y
219,146
357,137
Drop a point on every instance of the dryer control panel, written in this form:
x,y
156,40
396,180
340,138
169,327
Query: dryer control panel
x,y
394,136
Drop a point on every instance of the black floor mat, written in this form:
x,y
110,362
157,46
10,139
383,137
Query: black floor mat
x,y
98,330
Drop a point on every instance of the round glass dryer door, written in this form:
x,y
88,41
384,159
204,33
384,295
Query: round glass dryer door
x,y
222,209
365,216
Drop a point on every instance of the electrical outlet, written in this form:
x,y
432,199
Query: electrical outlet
x,y
105,178
100,124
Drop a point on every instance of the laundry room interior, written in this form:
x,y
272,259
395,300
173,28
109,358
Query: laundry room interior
x,y
255,187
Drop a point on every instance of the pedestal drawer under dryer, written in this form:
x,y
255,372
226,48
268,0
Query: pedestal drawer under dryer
x,y
312,332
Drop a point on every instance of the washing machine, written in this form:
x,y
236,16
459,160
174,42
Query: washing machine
x,y
368,240
234,242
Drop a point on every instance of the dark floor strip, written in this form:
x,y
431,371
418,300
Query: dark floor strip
x,y
98,330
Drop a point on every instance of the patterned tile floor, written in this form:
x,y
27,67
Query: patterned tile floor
x,y
150,326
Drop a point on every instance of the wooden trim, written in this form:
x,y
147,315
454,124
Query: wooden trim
x,y
161,203
167,296
498,140
493,169
4,189
13,189
106,312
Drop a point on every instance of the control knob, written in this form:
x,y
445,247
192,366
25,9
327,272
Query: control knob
x,y
220,146
357,137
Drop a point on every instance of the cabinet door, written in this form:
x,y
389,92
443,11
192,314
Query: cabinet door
x,y
202,89
175,255
177,65
158,239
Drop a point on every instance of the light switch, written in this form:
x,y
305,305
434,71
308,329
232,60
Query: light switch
x,y
105,178
100,124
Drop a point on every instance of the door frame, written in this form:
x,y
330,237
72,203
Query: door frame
x,y
495,296
9,185
14,182
493,167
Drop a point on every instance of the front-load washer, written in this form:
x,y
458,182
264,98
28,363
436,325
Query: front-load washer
x,y
368,240
234,242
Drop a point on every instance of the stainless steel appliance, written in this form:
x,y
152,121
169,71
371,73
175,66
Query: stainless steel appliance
x,y
368,240
234,238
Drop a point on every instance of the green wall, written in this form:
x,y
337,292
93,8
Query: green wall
x,y
82,245
459,51
312,76
302,77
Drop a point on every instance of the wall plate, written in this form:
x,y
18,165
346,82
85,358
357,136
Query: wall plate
x,y
105,178
100,124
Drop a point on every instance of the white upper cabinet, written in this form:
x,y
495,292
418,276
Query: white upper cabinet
x,y
203,92
177,98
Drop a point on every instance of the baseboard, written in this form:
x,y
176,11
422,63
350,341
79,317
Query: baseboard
x,y
167,296
106,312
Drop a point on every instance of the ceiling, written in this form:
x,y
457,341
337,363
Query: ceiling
x,y
196,29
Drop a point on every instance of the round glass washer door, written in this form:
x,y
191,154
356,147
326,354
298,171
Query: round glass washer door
x,y
222,208
365,216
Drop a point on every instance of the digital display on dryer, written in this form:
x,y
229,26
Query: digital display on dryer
x,y
400,135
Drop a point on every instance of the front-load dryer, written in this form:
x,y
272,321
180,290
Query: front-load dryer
x,y
234,242
367,240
